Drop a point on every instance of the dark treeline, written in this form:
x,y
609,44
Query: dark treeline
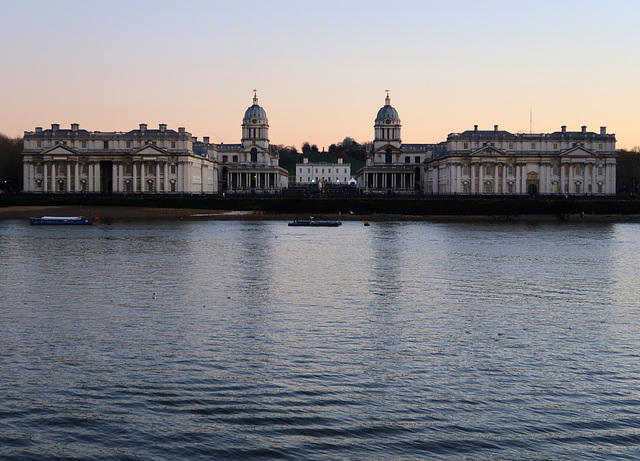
x,y
628,171
10,163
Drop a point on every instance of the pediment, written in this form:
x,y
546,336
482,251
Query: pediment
x,y
150,149
383,149
577,151
60,150
489,151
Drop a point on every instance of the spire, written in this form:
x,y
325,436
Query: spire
x,y
255,97
387,100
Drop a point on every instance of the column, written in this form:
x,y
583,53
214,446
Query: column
x,y
472,170
517,174
495,178
594,185
562,173
97,177
53,178
68,181
114,177
571,190
76,181
504,178
143,186
134,179
166,177
157,189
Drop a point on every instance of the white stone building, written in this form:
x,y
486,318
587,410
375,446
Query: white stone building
x,y
491,162
145,160
248,167
323,172
496,162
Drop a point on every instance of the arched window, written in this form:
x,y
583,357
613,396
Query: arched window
x,y
465,169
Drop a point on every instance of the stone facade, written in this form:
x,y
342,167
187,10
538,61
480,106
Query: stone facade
x,y
77,161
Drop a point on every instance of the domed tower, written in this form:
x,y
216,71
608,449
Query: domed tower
x,y
255,127
387,127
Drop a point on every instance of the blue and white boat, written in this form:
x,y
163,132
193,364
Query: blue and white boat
x,y
64,220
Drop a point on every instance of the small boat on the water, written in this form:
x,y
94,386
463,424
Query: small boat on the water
x,y
315,223
63,220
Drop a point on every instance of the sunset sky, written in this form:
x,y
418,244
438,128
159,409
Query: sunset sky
x,y
321,68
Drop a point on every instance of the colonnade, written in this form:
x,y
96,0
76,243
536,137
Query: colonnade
x,y
390,180
248,180
566,177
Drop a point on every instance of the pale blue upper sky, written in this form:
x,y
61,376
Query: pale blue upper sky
x,y
321,68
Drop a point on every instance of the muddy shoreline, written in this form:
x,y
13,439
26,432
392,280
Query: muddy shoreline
x,y
132,213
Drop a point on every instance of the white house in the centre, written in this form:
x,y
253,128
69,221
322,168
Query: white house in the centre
x,y
323,172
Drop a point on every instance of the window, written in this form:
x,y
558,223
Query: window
x,y
128,144
225,159
511,188
105,145
554,170
329,170
465,169
84,144
173,144
510,145
555,145
127,169
172,168
345,171
85,169
510,170
235,159
487,170
323,170
599,188
39,143
150,168
388,158
254,155
417,159
407,159
533,146
600,171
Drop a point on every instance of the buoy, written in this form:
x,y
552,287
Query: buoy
x,y
367,223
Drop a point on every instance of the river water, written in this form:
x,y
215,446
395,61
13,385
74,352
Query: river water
x,y
253,340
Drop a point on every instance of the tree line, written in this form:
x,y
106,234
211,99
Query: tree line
x,y
10,163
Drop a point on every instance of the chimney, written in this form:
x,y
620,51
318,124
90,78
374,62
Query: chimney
x,y
181,129
38,129
340,161
162,127
55,126
584,128
143,127
475,127
205,139
305,160
564,128
603,130
495,127
75,126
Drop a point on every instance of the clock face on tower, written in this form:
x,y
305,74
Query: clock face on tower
x,y
254,120
387,121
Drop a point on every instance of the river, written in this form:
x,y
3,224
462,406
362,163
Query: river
x,y
161,340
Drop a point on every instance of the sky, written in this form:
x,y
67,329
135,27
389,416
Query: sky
x,y
321,68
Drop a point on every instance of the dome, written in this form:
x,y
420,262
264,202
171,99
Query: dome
x,y
254,113
387,113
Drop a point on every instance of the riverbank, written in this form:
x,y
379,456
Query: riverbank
x,y
113,213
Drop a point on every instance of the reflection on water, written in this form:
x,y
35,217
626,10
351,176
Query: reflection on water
x,y
227,340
